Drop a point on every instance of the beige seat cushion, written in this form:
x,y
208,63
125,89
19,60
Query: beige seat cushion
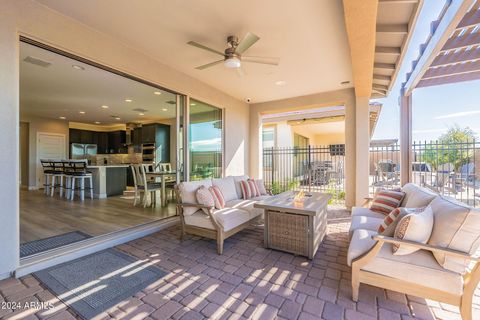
x,y
419,268
364,222
228,219
188,193
360,243
246,205
416,197
456,226
361,211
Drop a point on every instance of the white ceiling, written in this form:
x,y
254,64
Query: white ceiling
x,y
59,90
309,38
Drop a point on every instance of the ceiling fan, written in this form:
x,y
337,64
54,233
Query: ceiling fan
x,y
232,57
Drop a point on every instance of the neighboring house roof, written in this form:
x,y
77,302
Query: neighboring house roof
x,y
452,51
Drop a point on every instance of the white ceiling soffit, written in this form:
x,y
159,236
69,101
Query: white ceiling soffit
x,y
396,21
54,86
309,39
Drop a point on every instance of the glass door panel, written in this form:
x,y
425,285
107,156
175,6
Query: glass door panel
x,y
205,141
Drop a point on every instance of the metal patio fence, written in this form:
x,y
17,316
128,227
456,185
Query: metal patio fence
x,y
311,168
451,169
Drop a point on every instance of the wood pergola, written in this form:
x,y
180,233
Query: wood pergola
x,y
451,54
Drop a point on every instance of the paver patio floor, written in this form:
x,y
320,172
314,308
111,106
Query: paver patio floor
x,y
247,281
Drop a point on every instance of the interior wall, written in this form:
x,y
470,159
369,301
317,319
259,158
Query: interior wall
x,y
29,18
24,154
36,125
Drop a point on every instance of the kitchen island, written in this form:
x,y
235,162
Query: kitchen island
x,y
109,180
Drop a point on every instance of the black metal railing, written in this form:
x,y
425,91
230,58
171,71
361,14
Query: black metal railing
x,y
312,168
448,168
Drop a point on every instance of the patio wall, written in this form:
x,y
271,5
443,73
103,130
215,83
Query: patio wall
x,y
31,19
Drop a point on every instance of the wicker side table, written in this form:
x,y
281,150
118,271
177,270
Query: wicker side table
x,y
293,228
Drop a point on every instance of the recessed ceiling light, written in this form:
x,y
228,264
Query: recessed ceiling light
x,y
157,93
81,112
97,122
105,107
77,67
280,83
117,118
141,114
128,100
164,109
62,117
193,104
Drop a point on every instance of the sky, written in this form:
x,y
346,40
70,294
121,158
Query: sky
x,y
435,109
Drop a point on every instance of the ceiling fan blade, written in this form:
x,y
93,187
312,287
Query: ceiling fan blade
x,y
201,46
248,41
240,72
263,60
208,65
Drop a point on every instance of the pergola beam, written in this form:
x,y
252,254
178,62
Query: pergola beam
x,y
453,69
475,75
392,28
471,19
466,40
456,57
388,50
455,12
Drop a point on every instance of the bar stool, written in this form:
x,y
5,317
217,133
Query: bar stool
x,y
76,170
47,172
56,177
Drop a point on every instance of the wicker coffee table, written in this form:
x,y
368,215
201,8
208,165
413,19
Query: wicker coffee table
x,y
292,226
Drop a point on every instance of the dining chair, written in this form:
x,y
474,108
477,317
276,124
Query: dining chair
x,y
149,187
138,182
170,181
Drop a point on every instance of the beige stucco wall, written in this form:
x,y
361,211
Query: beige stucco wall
x,y
329,138
29,18
344,97
43,125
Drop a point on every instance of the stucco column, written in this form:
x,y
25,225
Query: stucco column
x,y
256,158
405,137
350,151
362,139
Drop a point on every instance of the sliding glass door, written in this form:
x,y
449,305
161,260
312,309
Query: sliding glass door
x,y
205,140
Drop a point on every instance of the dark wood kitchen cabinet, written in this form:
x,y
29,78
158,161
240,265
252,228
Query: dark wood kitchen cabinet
x,y
117,141
102,142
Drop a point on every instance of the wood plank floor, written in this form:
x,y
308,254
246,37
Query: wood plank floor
x,y
42,216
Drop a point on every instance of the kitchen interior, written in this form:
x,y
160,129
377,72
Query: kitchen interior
x,y
71,111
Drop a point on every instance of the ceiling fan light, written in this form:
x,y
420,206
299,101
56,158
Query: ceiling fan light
x,y
233,63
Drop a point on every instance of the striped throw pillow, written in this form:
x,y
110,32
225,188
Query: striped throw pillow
x,y
217,197
387,228
254,188
386,200
247,191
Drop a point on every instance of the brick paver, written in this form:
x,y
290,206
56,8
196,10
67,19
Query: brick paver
x,y
246,282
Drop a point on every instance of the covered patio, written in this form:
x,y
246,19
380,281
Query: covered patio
x,y
245,280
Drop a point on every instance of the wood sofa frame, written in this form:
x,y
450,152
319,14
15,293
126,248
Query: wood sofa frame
x,y
463,301
216,234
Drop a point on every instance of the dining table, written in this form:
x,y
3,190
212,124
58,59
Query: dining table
x,y
163,176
